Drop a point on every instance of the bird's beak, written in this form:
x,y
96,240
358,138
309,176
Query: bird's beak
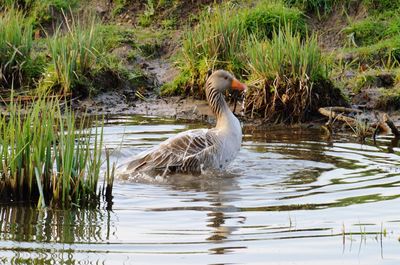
x,y
236,85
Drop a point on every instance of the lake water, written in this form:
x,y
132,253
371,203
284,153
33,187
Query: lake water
x,y
290,197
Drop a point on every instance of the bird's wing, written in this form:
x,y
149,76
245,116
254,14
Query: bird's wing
x,y
184,152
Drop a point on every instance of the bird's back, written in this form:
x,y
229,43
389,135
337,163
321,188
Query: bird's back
x,y
187,152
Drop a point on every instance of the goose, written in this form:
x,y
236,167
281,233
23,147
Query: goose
x,y
198,150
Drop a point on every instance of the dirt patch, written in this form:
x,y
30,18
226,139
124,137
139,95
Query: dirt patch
x,y
116,103
330,27
177,13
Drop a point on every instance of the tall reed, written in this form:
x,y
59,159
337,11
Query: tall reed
x,y
45,158
283,72
15,46
74,51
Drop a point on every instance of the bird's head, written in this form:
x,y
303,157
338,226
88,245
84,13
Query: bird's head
x,y
222,80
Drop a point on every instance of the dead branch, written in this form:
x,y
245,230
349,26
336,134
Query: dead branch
x,y
337,113
332,114
391,125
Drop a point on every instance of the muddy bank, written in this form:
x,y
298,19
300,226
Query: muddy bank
x,y
110,103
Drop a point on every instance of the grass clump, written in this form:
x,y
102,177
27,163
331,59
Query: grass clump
x,y
73,56
366,32
267,43
119,6
268,16
377,6
288,76
217,42
15,47
45,158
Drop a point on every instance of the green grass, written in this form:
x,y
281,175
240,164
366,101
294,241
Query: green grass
x,y
74,55
118,7
45,158
217,42
379,6
366,32
15,47
269,45
319,7
285,74
73,59
29,5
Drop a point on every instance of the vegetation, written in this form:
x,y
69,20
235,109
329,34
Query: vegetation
x,y
217,42
287,74
59,47
267,43
320,7
15,47
73,55
45,158
82,56
72,59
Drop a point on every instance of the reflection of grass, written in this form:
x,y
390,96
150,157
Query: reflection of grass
x,y
28,224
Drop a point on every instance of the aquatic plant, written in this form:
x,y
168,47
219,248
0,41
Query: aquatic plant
x,y
47,157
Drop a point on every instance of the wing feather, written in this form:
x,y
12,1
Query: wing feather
x,y
185,152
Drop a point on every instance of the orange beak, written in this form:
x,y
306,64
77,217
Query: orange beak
x,y
236,85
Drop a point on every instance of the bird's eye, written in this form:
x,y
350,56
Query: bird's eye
x,y
226,78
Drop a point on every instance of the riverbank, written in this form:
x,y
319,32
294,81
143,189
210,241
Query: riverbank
x,y
143,48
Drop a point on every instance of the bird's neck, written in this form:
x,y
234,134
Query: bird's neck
x,y
224,116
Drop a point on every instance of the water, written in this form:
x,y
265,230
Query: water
x,y
290,197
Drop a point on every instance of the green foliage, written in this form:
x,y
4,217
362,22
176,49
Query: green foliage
x,y
390,98
114,36
283,72
29,5
217,42
314,6
367,31
375,39
45,158
73,55
377,6
15,46
384,52
267,42
269,15
286,54
178,85
146,18
62,4
119,6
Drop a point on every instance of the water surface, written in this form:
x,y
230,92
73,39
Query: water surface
x,y
290,197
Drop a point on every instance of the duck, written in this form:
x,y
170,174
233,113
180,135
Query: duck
x,y
198,150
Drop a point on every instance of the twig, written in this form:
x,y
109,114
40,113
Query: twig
x,y
391,125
